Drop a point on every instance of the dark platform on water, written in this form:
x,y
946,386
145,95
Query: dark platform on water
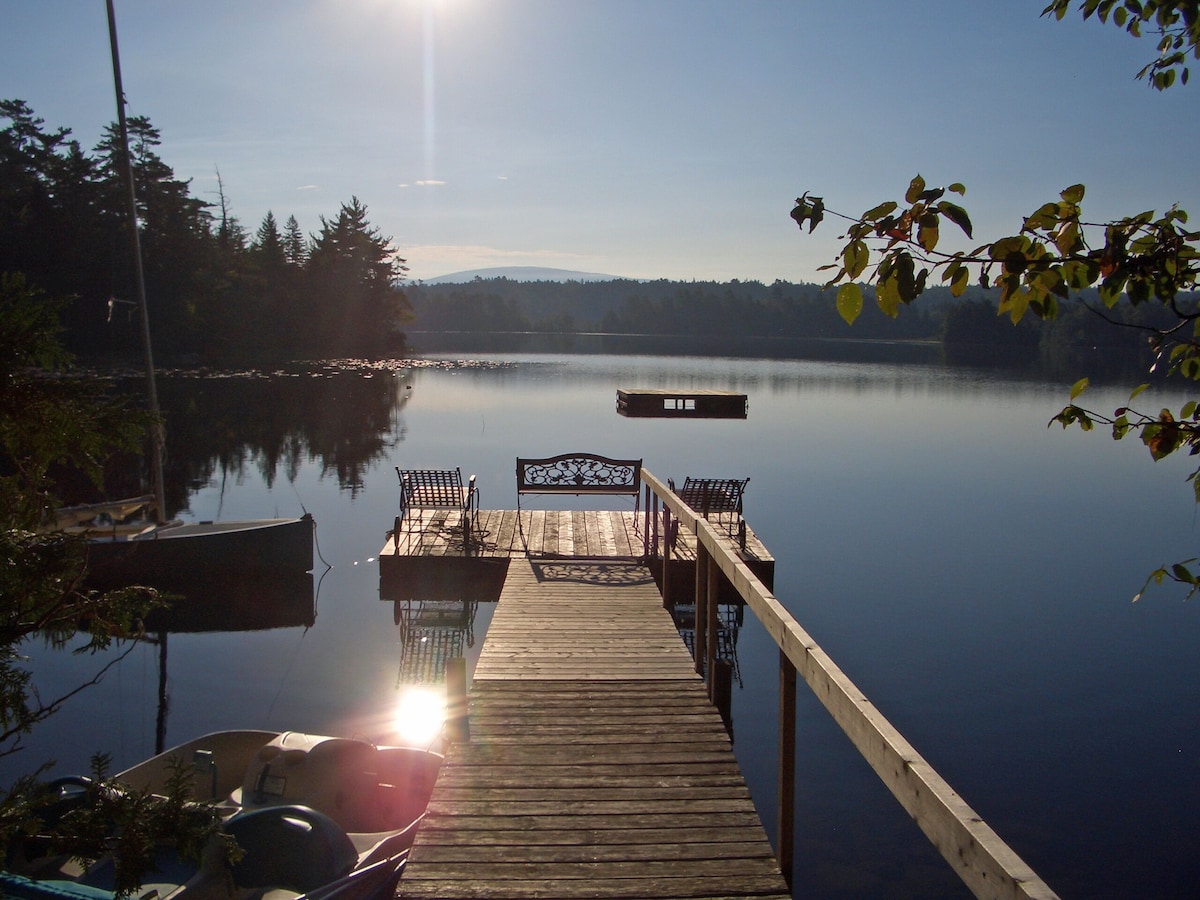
x,y
438,557
691,404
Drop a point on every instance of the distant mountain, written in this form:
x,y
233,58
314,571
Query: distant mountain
x,y
519,273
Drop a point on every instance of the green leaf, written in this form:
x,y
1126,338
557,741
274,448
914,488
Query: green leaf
x,y
849,302
1137,390
958,188
1073,194
856,256
915,189
1068,238
883,209
1079,387
906,280
957,215
816,214
927,231
887,296
961,279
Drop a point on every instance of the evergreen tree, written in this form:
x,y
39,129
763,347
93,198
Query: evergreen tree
x,y
295,245
354,271
268,243
175,234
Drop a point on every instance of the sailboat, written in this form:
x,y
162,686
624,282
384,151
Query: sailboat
x,y
142,550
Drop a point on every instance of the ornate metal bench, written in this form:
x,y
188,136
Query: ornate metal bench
x,y
579,474
436,489
718,499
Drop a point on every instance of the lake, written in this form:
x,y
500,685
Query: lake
x,y
969,568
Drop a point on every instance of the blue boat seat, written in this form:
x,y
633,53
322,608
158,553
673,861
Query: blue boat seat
x,y
291,847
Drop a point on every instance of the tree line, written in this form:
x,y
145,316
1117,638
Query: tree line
x,y
747,309
215,292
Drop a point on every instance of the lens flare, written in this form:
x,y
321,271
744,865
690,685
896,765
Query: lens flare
x,y
420,714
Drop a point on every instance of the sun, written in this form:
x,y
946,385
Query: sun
x,y
419,716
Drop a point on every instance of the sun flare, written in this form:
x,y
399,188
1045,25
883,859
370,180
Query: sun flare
x,y
419,716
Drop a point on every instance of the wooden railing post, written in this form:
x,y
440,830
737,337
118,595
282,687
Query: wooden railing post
x,y
787,765
647,519
700,619
711,595
458,725
722,691
666,555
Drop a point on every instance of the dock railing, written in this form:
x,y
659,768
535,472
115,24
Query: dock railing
x,y
984,862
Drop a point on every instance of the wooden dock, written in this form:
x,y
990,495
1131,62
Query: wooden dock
x,y
682,404
433,552
596,767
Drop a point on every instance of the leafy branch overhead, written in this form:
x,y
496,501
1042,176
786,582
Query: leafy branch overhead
x,y
897,247
1176,22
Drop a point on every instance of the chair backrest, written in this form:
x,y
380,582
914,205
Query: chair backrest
x,y
431,488
713,495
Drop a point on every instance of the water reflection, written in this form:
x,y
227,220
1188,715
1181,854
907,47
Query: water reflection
x,y
432,632
730,618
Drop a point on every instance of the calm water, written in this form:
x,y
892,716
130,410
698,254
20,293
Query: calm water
x,y
970,569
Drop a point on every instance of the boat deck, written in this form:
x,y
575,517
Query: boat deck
x,y
596,766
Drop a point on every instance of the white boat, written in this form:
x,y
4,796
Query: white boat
x,y
170,556
125,547
316,817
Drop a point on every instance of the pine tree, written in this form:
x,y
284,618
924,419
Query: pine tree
x,y
295,245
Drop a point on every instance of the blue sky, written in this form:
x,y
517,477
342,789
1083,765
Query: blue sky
x,y
640,138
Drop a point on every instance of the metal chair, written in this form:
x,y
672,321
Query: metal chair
x,y
424,490
717,499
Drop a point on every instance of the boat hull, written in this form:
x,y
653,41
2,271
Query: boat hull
x,y
173,557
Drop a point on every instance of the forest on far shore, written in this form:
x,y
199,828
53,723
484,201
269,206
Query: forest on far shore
x,y
215,292
219,294
747,309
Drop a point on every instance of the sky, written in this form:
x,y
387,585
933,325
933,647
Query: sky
x,y
636,138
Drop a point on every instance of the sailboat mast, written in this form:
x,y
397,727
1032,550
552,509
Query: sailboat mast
x,y
157,437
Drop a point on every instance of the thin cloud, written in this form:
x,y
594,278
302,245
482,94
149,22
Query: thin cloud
x,y
430,182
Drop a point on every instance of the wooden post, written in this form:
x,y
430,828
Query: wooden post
x,y
700,620
666,554
458,725
787,765
647,519
723,693
711,592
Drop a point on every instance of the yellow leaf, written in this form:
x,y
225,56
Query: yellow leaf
x,y
849,302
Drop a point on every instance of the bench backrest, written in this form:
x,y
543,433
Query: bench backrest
x,y
579,473
431,488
